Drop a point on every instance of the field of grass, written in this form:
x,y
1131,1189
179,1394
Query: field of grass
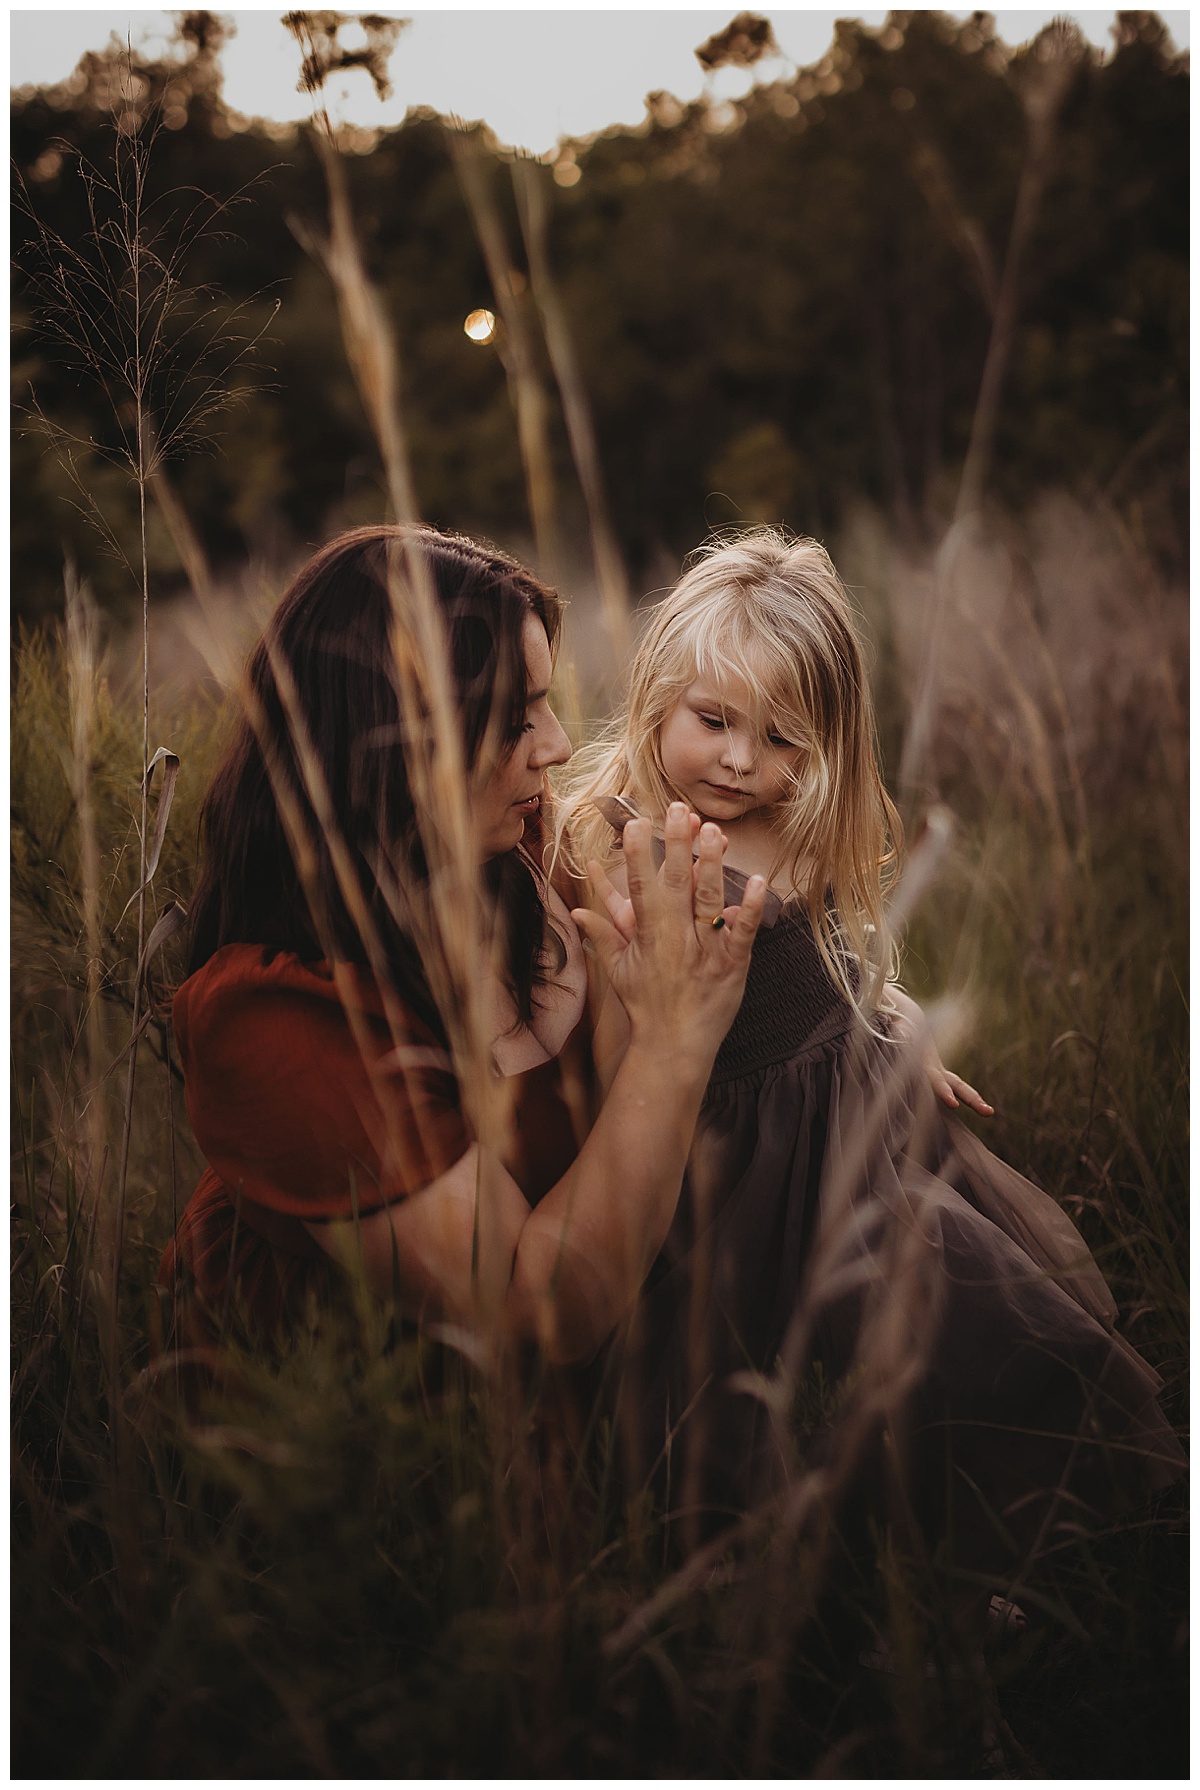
x,y
370,1561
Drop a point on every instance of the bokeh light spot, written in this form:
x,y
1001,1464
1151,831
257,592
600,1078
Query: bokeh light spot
x,y
480,326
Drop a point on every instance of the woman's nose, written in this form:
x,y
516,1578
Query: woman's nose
x,y
551,744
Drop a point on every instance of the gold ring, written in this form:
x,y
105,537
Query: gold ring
x,y
718,922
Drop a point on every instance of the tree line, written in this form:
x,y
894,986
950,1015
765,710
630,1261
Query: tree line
x,y
778,306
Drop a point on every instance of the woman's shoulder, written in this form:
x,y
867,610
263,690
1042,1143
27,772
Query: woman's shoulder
x,y
248,997
241,975
298,1089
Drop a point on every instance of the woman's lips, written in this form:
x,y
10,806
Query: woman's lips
x,y
529,805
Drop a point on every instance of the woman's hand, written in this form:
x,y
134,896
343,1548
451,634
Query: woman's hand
x,y
679,976
912,1025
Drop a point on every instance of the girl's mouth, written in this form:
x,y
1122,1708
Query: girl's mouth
x,y
530,805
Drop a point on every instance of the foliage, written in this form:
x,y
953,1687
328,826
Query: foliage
x,y
816,261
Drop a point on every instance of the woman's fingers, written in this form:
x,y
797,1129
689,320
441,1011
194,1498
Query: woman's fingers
x,y
601,934
746,918
686,896
709,875
641,876
677,863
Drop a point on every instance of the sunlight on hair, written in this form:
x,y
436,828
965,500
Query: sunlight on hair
x,y
480,326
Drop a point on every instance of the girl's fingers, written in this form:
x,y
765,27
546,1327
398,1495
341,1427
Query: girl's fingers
x,y
970,1096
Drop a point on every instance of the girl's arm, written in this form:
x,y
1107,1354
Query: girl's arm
x,y
950,1089
469,1248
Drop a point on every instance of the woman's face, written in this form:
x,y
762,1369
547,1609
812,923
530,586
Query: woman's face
x,y
511,793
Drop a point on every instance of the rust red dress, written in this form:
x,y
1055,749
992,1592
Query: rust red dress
x,y
307,1110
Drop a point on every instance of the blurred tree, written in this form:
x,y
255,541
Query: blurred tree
x,y
778,305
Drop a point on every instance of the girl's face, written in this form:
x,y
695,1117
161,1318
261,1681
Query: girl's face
x,y
720,760
512,791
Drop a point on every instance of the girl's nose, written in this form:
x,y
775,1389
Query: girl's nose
x,y
738,751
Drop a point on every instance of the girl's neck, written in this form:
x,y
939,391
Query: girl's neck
x,y
754,850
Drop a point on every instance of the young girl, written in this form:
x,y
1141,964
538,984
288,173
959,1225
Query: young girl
x,y
832,1214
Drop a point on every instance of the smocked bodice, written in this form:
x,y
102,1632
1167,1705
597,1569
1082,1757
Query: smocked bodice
x,y
791,1006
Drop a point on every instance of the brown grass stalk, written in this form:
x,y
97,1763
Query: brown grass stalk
x,y
1054,56
529,184
82,651
446,920
1053,60
517,348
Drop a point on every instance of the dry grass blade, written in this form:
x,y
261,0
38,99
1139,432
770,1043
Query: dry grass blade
x,y
519,351
82,650
162,814
925,861
184,538
615,596
304,849
368,341
445,920
1053,58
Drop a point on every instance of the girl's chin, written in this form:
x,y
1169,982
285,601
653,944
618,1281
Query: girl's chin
x,y
711,804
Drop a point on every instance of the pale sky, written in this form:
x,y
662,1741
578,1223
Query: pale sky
x,y
534,75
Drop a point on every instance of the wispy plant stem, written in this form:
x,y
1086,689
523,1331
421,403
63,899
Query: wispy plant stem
x,y
529,186
1053,59
519,349
133,236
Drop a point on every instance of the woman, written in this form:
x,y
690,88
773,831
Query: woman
x,y
329,1011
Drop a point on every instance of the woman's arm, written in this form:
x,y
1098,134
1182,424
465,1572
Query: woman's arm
x,y
469,1248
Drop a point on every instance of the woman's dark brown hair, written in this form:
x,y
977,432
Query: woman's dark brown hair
x,y
333,631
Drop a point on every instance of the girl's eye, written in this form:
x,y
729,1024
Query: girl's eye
x,y
712,721
777,739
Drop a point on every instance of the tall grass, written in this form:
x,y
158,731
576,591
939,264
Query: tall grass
x,y
371,1557
373,1560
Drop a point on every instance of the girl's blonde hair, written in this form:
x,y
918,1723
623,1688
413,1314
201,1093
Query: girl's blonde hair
x,y
771,609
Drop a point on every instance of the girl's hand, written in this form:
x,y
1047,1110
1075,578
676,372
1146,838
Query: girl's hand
x,y
679,977
911,1024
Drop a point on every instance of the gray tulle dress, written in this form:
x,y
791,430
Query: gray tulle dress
x,y
840,1238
